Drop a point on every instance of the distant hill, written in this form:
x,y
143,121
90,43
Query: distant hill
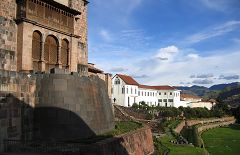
x,y
205,92
230,95
194,90
223,86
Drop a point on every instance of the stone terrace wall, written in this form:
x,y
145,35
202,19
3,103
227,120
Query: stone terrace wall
x,y
180,126
210,120
210,126
138,142
217,121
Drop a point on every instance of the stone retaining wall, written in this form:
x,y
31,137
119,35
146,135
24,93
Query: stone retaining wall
x,y
180,126
138,142
217,121
210,126
210,120
52,106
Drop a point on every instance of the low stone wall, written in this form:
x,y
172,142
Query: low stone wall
x,y
138,142
180,126
210,120
217,121
210,126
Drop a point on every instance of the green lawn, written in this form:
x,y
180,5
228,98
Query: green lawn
x,y
179,149
223,141
124,127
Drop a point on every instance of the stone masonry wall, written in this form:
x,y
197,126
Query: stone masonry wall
x,y
80,28
210,126
211,120
8,35
52,106
180,126
79,106
17,96
138,142
216,121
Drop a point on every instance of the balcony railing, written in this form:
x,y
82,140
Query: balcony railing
x,y
46,14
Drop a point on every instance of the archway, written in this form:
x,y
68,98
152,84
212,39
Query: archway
x,y
36,50
50,52
65,54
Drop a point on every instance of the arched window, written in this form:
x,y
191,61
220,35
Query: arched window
x,y
65,54
50,53
36,49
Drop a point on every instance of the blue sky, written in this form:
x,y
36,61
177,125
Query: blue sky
x,y
174,42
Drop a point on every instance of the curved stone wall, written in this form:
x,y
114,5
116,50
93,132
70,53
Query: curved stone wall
x,y
71,107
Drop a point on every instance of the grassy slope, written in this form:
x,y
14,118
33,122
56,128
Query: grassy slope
x,y
175,149
223,141
181,149
124,127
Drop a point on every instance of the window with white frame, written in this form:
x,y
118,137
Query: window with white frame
x,y
117,81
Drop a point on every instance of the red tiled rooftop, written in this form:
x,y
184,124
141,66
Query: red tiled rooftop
x,y
128,80
157,87
189,96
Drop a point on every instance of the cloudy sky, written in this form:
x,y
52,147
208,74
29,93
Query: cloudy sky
x,y
175,42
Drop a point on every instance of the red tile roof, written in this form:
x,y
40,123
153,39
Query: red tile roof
x,y
157,87
189,96
128,79
164,87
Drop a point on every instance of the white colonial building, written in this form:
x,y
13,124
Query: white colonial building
x,y
126,91
193,101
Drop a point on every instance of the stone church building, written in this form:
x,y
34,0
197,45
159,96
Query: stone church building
x,y
37,102
37,35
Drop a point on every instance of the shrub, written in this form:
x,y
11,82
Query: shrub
x,y
135,106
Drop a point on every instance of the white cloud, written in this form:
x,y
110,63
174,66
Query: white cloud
x,y
203,82
115,11
167,53
193,56
179,68
175,72
118,69
236,40
105,35
229,77
213,32
220,5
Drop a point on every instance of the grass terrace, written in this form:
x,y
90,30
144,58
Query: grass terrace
x,y
222,141
164,146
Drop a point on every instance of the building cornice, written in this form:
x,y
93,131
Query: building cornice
x,y
21,20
